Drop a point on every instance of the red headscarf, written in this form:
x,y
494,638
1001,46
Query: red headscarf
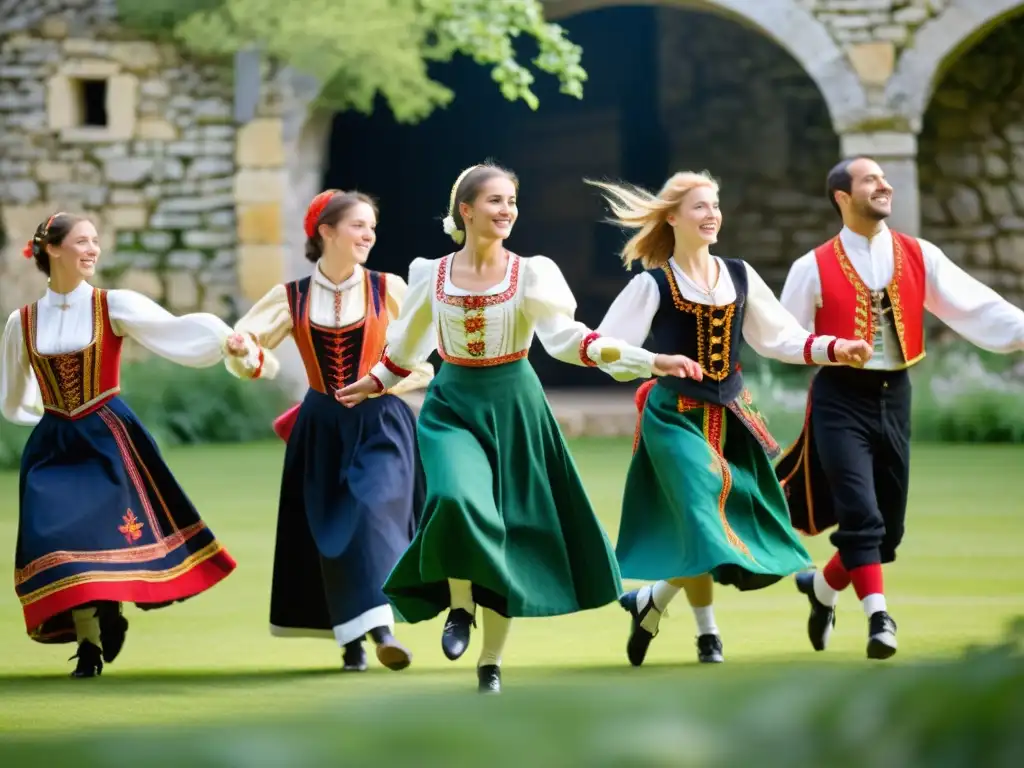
x,y
316,208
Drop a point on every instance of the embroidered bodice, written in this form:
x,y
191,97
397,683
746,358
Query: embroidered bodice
x,y
74,384
498,325
711,327
339,328
337,355
62,353
711,334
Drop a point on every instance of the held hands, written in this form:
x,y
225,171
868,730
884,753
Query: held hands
x,y
236,345
679,365
355,393
852,352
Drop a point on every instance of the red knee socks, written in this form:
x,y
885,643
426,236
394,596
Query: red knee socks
x,y
836,575
867,583
867,580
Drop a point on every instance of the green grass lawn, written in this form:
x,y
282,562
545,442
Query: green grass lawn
x,y
958,583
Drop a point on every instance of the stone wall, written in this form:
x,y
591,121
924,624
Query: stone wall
x,y
180,193
971,161
867,21
758,123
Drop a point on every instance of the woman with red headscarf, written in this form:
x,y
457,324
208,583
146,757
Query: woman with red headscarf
x,y
351,489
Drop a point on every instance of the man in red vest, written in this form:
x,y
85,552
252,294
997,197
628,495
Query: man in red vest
x,y
850,466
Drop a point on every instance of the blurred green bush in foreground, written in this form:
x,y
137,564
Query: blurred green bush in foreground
x,y
967,712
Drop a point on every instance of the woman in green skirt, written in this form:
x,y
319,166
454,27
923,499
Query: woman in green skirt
x,y
507,524
701,502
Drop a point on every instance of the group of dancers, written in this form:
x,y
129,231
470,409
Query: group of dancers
x,y
476,506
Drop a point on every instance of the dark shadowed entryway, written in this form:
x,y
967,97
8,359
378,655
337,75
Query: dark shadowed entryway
x,y
668,89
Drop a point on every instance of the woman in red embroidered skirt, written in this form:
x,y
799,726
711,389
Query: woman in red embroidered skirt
x,y
102,521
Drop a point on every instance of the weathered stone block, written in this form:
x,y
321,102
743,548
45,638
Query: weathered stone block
x,y
128,217
260,268
259,186
155,128
259,224
143,281
136,56
157,241
128,170
54,27
208,239
47,172
873,62
182,292
259,144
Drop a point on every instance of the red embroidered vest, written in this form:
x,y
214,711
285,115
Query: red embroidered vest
x,y
337,357
75,384
845,309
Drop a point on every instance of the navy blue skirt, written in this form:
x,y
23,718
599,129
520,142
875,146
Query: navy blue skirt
x,y
351,495
102,518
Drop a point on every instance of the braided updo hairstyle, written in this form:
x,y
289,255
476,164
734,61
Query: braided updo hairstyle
x,y
50,232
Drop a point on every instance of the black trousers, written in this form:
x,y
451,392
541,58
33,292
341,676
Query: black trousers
x,y
861,423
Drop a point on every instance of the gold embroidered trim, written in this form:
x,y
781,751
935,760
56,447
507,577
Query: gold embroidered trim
x,y
864,325
714,331
863,321
714,433
894,294
84,406
145,576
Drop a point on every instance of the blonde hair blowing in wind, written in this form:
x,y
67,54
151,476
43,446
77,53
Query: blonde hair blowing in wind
x,y
636,208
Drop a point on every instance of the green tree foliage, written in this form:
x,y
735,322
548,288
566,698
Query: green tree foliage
x,y
360,48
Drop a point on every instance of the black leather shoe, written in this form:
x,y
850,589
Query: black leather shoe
x,y
113,629
90,660
354,657
391,653
639,638
881,636
455,636
488,678
822,619
709,649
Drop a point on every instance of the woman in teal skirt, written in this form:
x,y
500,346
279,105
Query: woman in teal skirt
x,y
701,502
507,523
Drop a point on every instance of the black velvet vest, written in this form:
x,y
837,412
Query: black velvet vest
x,y
711,335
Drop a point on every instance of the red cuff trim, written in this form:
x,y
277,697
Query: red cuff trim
x,y
379,383
807,349
259,366
589,339
390,365
832,351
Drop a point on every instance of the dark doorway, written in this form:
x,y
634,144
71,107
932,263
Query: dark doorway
x,y
668,89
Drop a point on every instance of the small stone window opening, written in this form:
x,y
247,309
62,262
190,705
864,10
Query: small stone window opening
x,y
92,102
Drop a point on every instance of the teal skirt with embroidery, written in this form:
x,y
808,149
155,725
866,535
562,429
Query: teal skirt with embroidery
x,y
701,496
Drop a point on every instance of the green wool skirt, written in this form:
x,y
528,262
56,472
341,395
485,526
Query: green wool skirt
x,y
505,507
701,496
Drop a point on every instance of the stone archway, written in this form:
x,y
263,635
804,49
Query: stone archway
x,y
971,154
787,23
938,44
